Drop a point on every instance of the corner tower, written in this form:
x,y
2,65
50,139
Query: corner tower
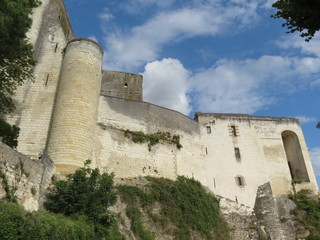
x,y
71,139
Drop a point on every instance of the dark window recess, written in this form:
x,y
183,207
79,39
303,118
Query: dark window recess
x,y
233,131
237,153
208,129
240,181
47,80
206,150
56,47
214,182
125,85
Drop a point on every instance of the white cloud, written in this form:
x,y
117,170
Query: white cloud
x,y
304,119
249,85
315,83
229,85
106,16
143,43
165,84
295,41
315,158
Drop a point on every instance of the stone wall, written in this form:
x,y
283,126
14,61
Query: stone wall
x,y
29,177
49,34
72,132
273,215
261,154
122,85
127,159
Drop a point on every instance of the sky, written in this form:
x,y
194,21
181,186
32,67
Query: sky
x,y
209,56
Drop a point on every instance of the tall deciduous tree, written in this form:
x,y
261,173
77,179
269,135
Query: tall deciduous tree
x,y
16,60
300,15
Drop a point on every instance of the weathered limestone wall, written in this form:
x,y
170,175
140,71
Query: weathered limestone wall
x,y
49,33
29,177
117,153
122,85
72,132
262,155
241,220
273,215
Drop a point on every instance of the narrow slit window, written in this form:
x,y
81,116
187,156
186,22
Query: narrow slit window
x,y
47,80
237,153
208,129
240,181
233,131
214,182
206,151
56,47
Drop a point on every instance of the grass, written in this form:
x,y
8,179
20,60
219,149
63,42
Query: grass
x,y
184,204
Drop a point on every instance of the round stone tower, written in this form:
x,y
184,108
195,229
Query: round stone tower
x,y
71,139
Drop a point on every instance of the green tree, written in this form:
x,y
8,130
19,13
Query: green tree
x,y
85,193
16,60
300,15
9,134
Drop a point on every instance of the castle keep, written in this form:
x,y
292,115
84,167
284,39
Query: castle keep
x,y
74,110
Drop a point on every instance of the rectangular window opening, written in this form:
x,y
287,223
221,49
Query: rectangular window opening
x,y
237,153
240,181
233,131
56,47
208,129
206,151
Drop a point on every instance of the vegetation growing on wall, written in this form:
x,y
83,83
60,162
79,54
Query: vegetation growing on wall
x,y
308,212
9,190
9,134
184,204
154,138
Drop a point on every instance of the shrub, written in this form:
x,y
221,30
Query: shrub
x,y
17,224
310,216
85,193
184,203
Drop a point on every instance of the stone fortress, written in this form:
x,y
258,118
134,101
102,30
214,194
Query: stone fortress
x,y
74,110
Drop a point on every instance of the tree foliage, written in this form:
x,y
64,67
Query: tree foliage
x,y
16,60
9,134
85,193
300,15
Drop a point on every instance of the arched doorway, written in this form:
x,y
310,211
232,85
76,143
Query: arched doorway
x,y
294,155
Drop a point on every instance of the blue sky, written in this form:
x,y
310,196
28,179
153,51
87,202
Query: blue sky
x,y
209,56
